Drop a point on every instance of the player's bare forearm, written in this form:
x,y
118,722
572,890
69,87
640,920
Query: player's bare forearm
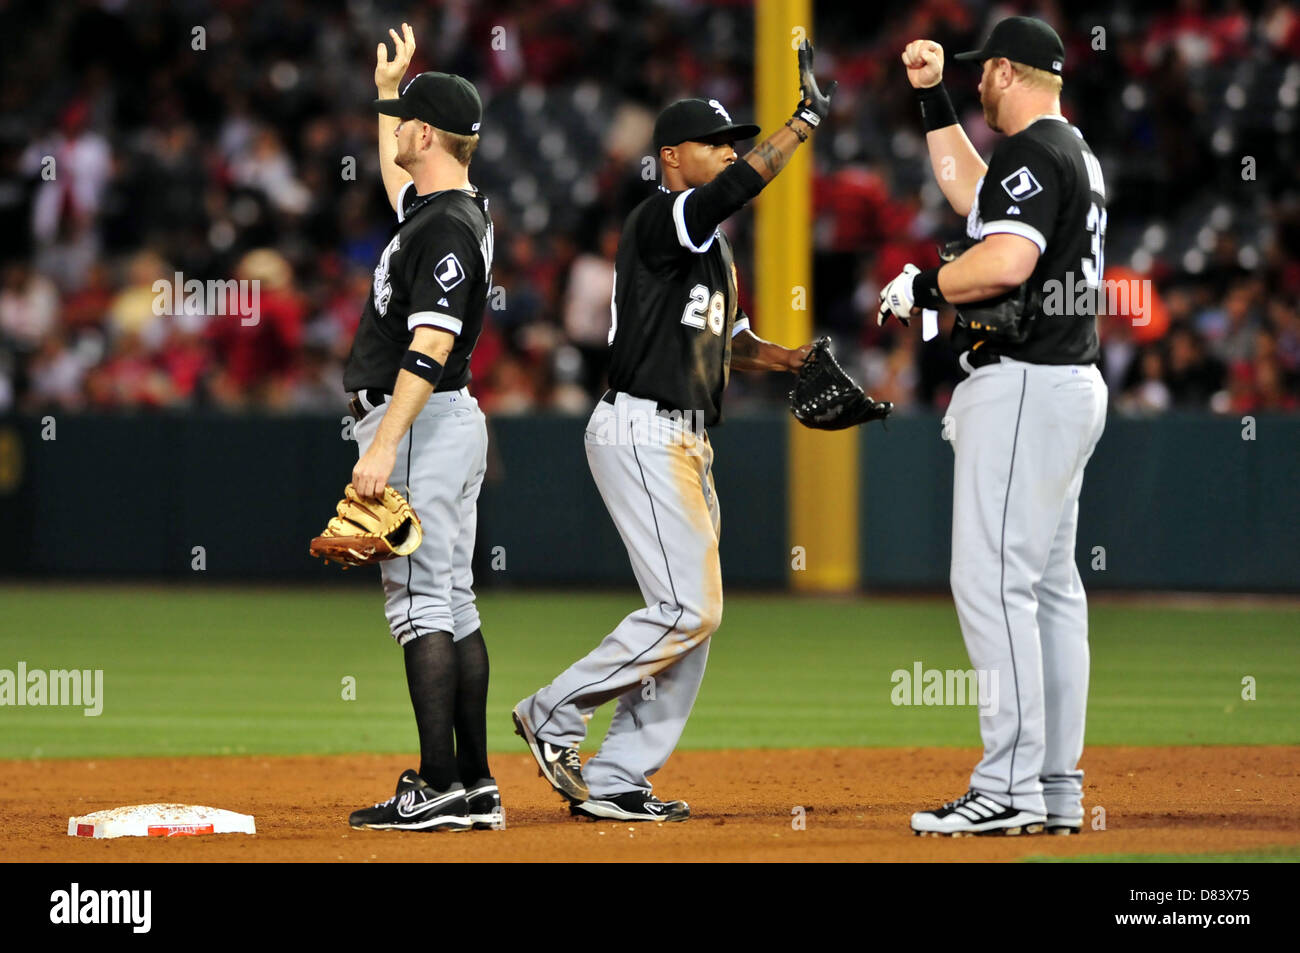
x,y
410,394
990,268
957,166
388,78
770,156
395,178
749,352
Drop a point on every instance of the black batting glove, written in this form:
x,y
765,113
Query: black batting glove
x,y
814,105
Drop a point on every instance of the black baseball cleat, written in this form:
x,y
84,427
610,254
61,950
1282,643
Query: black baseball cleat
x,y
974,813
485,810
632,806
560,766
416,807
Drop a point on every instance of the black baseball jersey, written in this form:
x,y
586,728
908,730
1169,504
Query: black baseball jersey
x,y
1045,185
436,270
675,304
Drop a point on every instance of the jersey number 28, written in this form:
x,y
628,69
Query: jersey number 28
x,y
703,308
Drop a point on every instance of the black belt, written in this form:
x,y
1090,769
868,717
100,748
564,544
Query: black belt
x,y
372,396
691,421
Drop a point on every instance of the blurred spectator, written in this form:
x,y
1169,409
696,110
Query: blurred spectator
x,y
256,351
129,378
136,308
264,165
127,158
1148,394
73,164
510,388
29,307
1194,377
55,376
587,307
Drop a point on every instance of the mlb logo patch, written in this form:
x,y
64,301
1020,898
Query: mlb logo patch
x,y
1021,184
449,272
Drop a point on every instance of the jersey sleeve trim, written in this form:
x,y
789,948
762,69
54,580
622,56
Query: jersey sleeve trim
x,y
401,201
742,324
1012,227
434,319
679,220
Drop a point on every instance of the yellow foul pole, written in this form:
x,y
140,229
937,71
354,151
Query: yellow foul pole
x,y
822,467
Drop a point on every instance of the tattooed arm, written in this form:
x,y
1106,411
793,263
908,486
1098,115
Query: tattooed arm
x,y
770,156
698,212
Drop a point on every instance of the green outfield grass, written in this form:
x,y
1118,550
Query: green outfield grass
x,y
1270,855
214,669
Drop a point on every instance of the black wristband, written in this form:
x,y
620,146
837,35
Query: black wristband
x,y
422,365
925,290
936,107
803,136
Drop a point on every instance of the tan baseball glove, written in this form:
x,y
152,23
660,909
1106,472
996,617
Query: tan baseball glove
x,y
369,531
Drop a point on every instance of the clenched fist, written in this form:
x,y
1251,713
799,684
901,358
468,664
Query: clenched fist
x,y
924,62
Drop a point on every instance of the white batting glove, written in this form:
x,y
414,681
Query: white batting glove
x,y
896,297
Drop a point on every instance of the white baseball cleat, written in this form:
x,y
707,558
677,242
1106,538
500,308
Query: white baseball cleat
x,y
976,814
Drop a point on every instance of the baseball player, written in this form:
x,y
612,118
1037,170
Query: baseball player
x,y
676,334
1024,423
418,427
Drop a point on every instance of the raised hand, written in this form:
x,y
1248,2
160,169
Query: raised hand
x,y
388,73
924,62
814,105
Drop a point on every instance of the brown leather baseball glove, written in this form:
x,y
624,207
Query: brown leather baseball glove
x,y
369,531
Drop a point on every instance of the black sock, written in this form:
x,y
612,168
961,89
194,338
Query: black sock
x,y
431,679
471,708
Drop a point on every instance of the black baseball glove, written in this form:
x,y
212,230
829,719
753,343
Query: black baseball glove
x,y
1006,319
814,105
825,398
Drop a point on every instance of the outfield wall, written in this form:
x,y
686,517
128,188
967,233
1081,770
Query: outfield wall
x,y
1180,502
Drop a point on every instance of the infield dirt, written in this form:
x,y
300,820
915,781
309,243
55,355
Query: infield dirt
x,y
854,803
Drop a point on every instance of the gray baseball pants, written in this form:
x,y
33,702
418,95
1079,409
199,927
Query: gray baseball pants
x,y
1021,436
440,466
656,480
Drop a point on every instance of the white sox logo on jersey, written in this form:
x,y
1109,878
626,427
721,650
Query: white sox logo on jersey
x,y
449,272
383,288
1021,184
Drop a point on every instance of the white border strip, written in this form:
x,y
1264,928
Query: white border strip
x,y
1012,227
679,219
434,319
401,201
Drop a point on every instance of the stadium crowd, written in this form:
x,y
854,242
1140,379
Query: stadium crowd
x,y
216,140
